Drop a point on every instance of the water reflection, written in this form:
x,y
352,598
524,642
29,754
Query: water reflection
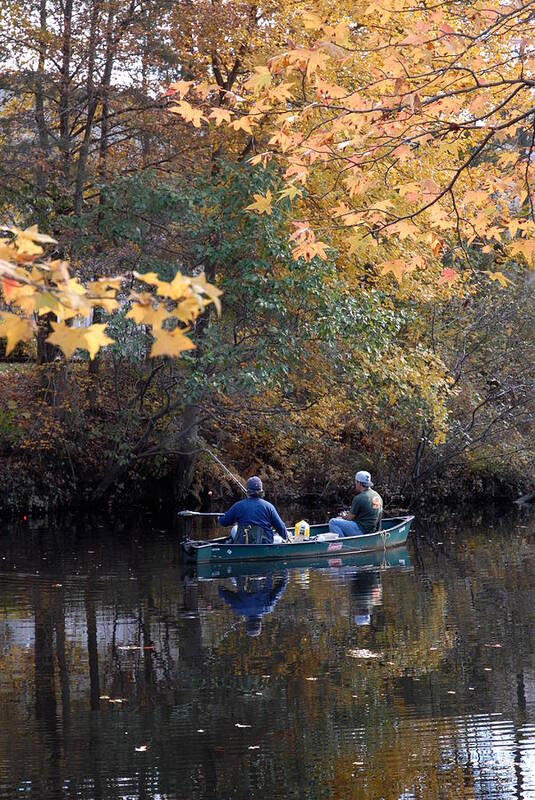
x,y
122,676
253,597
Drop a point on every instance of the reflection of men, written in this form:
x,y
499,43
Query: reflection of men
x,y
366,592
366,510
255,517
254,598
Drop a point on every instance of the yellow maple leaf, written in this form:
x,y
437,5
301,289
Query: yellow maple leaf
x,y
170,343
282,92
498,276
66,338
148,277
260,80
397,267
524,247
146,314
220,115
261,158
24,296
28,241
177,288
188,309
308,250
200,283
189,113
179,87
33,234
311,21
262,204
95,338
15,329
291,192
243,124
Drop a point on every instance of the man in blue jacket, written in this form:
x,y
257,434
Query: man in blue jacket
x,y
254,516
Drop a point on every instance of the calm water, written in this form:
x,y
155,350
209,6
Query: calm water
x,y
122,675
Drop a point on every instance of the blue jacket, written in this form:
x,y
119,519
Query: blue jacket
x,y
255,511
255,604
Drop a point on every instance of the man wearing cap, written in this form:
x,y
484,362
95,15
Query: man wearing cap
x,y
366,510
254,516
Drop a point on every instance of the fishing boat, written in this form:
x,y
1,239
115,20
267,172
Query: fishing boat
x,y
319,543
354,562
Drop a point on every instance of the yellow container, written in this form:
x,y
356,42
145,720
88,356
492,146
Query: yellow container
x,y
302,529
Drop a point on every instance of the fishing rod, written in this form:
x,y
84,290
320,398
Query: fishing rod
x,y
229,473
236,480
199,513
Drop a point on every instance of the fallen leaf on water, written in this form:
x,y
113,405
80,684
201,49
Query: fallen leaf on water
x,y
239,725
363,654
142,748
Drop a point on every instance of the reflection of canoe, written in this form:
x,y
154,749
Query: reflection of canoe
x,y
393,533
396,557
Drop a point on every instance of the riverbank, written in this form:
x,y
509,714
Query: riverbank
x,y
57,456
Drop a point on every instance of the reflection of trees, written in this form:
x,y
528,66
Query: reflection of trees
x,y
378,712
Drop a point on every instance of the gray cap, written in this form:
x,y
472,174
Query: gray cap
x,y
364,477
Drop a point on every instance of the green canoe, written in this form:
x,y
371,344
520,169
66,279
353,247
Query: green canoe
x,y
320,543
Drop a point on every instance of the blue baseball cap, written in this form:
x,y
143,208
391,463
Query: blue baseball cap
x,y
253,485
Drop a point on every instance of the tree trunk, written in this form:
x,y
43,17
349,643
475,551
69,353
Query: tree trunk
x,y
91,109
188,448
65,94
40,118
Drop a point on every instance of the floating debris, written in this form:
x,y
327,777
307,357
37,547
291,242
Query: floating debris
x,y
104,697
254,747
240,725
363,654
200,730
311,678
142,748
129,647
